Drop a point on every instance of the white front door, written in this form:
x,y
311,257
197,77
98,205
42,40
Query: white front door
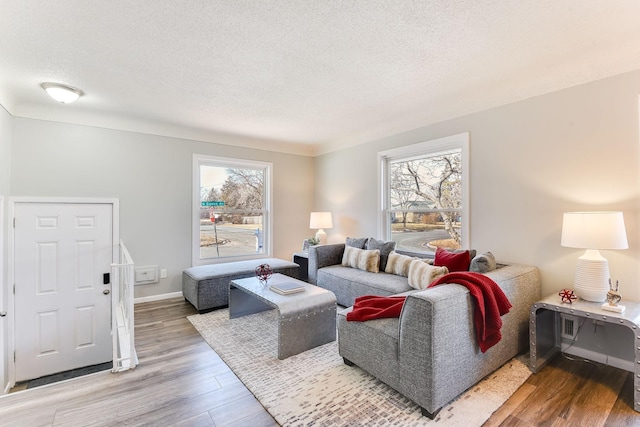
x,y
62,313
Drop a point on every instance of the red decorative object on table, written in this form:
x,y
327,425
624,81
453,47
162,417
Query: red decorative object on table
x,y
263,272
567,296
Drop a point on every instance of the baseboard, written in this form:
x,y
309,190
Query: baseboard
x,y
157,297
616,362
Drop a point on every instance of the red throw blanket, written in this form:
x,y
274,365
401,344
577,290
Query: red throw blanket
x,y
371,307
490,304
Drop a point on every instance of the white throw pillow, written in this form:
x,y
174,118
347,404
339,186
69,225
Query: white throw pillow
x,y
398,264
421,274
367,260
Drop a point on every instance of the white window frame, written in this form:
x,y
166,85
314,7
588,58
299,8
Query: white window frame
x,y
459,141
202,159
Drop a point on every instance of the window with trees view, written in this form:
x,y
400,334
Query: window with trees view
x,y
231,209
424,196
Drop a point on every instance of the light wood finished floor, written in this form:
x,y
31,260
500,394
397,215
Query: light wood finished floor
x,y
182,382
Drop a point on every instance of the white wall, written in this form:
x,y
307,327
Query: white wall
x,y
151,176
6,134
576,149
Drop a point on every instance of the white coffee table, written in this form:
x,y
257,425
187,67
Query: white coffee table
x,y
305,319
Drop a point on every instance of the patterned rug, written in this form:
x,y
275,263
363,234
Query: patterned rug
x,y
317,388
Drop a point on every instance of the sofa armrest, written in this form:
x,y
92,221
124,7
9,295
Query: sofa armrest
x,y
436,337
522,286
323,256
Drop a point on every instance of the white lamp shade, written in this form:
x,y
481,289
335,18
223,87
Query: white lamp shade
x,y
61,93
320,220
594,230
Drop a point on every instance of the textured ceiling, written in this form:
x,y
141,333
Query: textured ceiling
x,y
305,76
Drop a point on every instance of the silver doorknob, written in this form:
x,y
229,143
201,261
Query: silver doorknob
x,y
106,292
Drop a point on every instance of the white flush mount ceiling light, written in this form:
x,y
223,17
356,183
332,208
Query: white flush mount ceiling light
x,y
62,93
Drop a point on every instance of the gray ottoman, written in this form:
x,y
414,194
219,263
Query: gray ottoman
x,y
206,287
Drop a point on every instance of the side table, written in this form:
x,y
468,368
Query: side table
x,y
545,332
302,259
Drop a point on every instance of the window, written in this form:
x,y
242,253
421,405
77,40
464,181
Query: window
x,y
231,209
424,197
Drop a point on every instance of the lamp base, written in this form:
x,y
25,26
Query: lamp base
x,y
616,308
322,237
592,276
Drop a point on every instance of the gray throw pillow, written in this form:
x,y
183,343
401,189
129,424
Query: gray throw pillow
x,y
385,249
483,263
357,243
472,252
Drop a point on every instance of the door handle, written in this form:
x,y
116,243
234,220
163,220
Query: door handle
x,y
106,292
3,313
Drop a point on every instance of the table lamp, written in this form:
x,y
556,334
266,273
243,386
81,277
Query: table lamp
x,y
593,231
321,220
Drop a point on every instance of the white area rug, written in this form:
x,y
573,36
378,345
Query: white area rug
x,y
317,388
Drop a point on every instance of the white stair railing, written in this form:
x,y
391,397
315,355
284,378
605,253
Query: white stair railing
x,y
122,325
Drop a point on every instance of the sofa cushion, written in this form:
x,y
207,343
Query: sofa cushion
x,y
398,264
421,274
375,342
483,263
357,243
367,260
349,283
453,261
385,249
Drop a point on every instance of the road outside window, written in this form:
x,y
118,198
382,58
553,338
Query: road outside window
x,y
232,209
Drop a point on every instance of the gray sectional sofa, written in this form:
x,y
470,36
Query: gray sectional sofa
x,y
429,354
326,270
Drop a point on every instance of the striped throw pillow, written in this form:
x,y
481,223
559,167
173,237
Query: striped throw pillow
x,y
422,274
398,264
367,260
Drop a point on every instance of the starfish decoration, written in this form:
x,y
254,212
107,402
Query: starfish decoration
x,y
567,295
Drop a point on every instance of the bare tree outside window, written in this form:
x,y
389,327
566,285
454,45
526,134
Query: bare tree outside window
x,y
231,210
243,189
425,200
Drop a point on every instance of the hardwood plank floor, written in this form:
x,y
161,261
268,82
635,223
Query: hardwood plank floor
x,y
182,382
571,393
